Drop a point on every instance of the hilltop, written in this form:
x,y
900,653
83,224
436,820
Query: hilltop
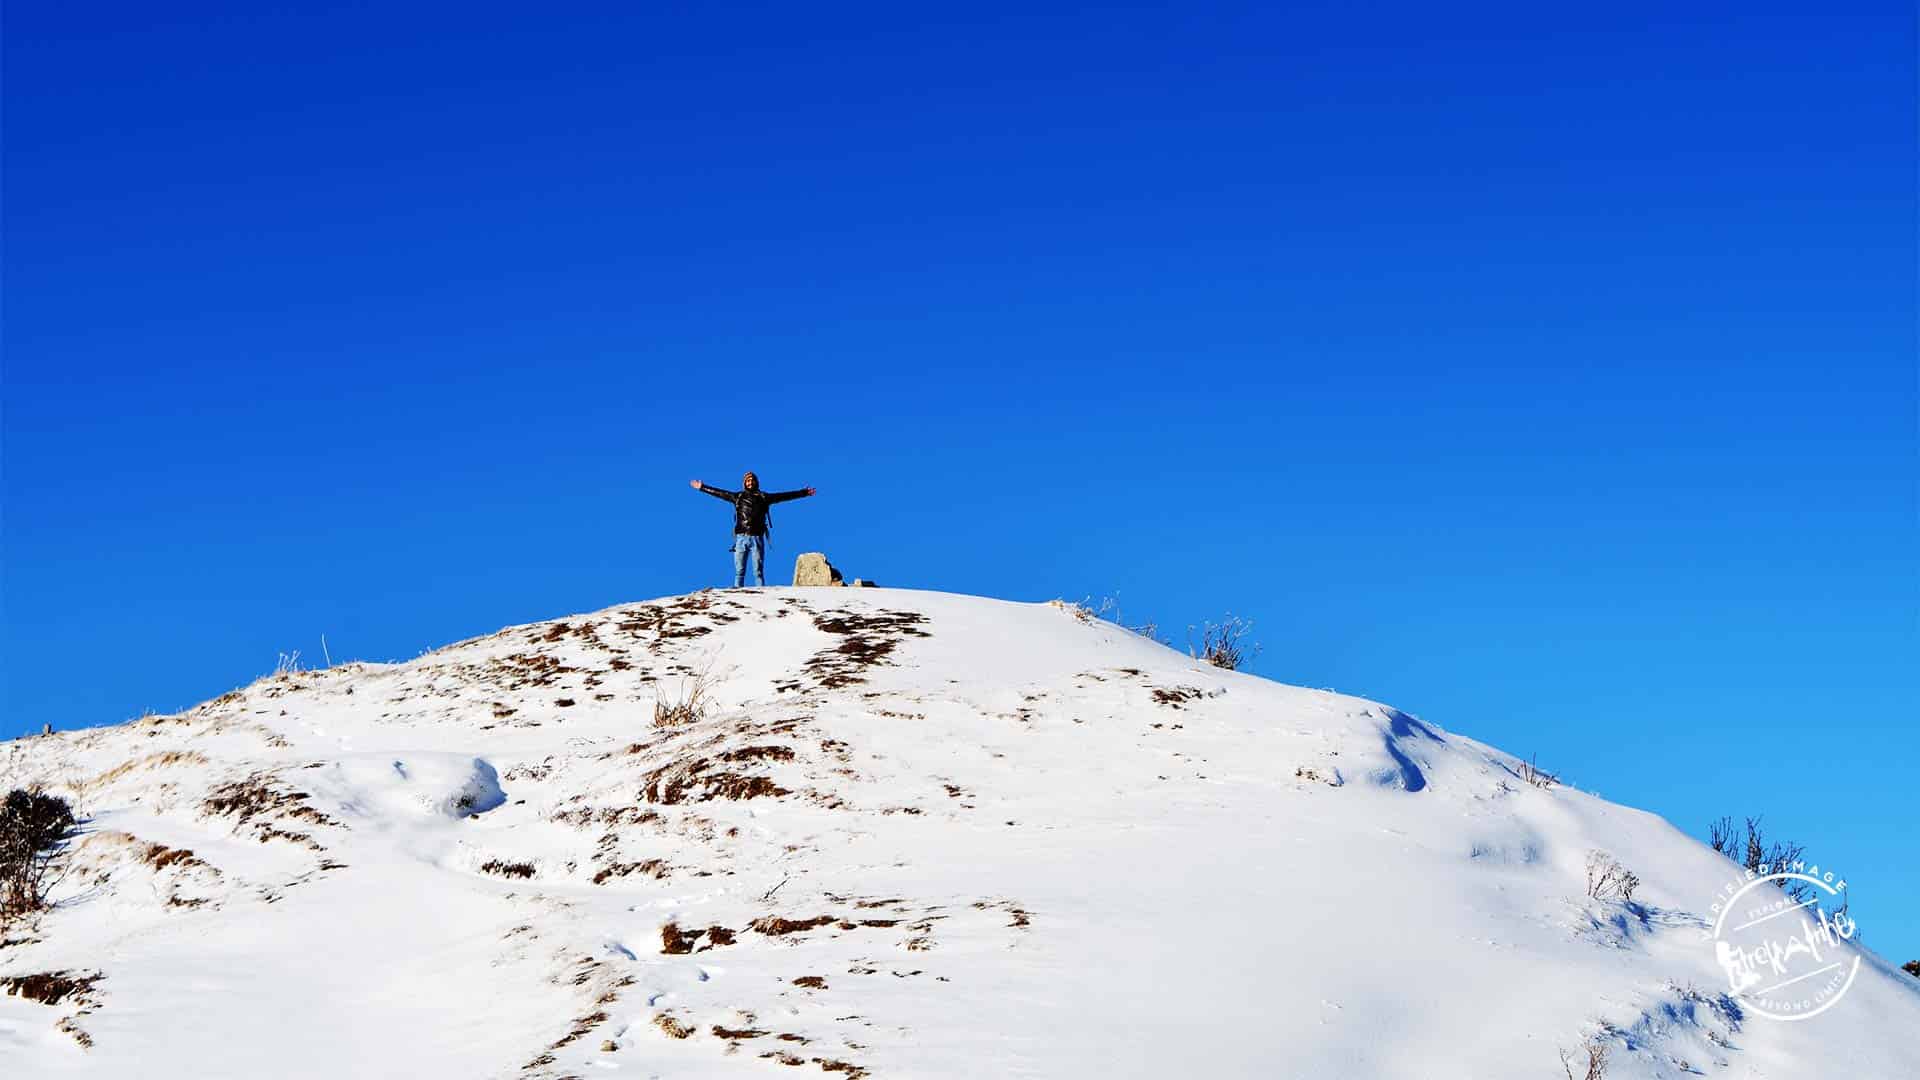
x,y
903,834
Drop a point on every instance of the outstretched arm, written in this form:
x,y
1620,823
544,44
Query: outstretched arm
x,y
783,496
718,493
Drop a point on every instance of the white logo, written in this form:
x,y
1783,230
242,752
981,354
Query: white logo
x,y
1785,956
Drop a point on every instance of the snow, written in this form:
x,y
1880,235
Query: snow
x,y
1005,841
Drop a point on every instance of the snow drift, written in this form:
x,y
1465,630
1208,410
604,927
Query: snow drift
x,y
911,835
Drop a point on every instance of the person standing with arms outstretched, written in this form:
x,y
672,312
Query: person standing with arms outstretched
x,y
750,523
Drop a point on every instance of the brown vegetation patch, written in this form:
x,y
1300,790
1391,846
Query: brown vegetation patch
x,y
159,760
1172,697
867,640
752,753
775,926
519,671
507,869
78,1033
50,987
854,1072
675,941
582,816
736,1033
674,1028
268,832
160,856
811,982
667,621
581,1028
654,868
262,794
691,781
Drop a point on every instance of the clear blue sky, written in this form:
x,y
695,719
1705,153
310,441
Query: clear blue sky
x,y
1549,373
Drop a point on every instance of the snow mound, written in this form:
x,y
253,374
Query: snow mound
x,y
909,835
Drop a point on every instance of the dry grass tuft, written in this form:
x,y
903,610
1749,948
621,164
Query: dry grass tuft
x,y
160,760
160,856
688,704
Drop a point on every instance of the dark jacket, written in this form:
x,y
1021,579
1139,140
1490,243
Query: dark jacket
x,y
750,507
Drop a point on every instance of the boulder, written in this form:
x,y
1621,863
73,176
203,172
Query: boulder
x,y
812,568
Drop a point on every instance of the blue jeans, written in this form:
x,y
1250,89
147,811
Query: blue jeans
x,y
742,545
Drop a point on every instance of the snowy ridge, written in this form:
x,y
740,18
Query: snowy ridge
x,y
914,835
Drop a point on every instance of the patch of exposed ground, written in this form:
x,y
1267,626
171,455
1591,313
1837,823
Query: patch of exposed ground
x,y
1175,696
703,779
51,987
653,868
866,641
675,941
261,802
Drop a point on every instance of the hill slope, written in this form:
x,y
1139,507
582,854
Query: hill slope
x,y
914,834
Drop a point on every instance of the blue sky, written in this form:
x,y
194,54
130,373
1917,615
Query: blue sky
x,y
1547,373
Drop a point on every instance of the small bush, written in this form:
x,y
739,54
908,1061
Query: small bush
x,y
1751,848
1223,644
34,827
1595,1054
1912,967
1608,880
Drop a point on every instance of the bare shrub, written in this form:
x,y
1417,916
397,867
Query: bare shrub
x,y
34,828
1911,967
1720,836
1750,847
1532,773
1595,1054
1223,644
1107,609
1607,879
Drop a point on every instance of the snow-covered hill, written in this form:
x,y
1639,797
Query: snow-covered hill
x,y
914,835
